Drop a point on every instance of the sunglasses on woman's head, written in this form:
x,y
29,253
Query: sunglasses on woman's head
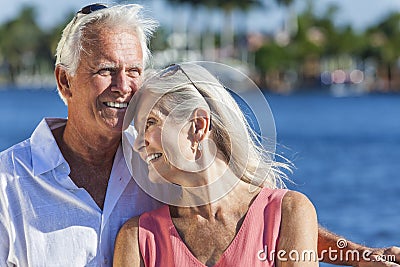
x,y
174,68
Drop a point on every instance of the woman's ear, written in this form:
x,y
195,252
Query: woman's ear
x,y
62,81
201,123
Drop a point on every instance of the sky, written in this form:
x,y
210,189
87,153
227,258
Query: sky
x,y
358,13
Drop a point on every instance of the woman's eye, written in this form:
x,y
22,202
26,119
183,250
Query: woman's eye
x,y
150,122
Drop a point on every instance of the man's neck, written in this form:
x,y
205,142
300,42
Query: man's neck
x,y
89,159
95,150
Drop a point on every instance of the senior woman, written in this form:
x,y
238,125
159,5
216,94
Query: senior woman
x,y
231,208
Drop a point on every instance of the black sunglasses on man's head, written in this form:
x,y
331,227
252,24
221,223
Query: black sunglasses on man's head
x,y
91,8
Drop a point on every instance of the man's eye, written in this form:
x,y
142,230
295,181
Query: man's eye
x,y
105,72
134,72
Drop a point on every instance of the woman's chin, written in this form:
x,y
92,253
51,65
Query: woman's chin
x,y
157,178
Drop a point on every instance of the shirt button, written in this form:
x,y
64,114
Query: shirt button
x,y
105,261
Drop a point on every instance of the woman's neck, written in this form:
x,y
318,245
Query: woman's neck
x,y
240,195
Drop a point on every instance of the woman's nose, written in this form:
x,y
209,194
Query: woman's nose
x,y
140,142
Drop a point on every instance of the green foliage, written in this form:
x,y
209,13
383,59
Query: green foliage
x,y
159,40
384,39
285,2
222,4
24,45
273,57
319,36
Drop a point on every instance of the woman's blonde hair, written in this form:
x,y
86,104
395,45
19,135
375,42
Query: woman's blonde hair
x,y
195,87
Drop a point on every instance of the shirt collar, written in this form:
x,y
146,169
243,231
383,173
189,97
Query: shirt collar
x,y
46,155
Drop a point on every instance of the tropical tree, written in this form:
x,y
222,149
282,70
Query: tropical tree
x,y
23,45
383,46
227,7
287,5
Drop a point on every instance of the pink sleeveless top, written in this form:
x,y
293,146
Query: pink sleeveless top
x,y
254,244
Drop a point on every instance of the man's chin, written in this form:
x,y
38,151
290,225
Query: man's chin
x,y
115,126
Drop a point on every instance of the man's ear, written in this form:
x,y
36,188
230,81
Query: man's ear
x,y
62,79
201,123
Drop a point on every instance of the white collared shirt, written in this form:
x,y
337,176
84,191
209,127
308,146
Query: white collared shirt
x,y
46,220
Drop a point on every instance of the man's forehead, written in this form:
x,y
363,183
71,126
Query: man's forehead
x,y
113,40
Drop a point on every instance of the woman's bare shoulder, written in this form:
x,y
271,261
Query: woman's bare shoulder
x,y
294,201
126,250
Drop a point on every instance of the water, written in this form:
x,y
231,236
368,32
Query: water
x,y
346,152
22,110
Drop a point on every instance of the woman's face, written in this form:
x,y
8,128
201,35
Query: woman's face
x,y
164,144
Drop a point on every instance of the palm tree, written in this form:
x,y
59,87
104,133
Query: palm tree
x,y
227,7
23,45
290,26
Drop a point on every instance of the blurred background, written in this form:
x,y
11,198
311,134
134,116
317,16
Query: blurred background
x,y
328,68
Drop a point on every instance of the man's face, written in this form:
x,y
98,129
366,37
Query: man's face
x,y
109,73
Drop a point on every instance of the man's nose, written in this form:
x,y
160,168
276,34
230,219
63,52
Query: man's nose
x,y
122,83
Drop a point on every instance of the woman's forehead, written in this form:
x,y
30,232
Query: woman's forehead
x,y
146,110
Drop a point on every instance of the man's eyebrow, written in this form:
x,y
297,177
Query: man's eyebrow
x,y
109,65
135,66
